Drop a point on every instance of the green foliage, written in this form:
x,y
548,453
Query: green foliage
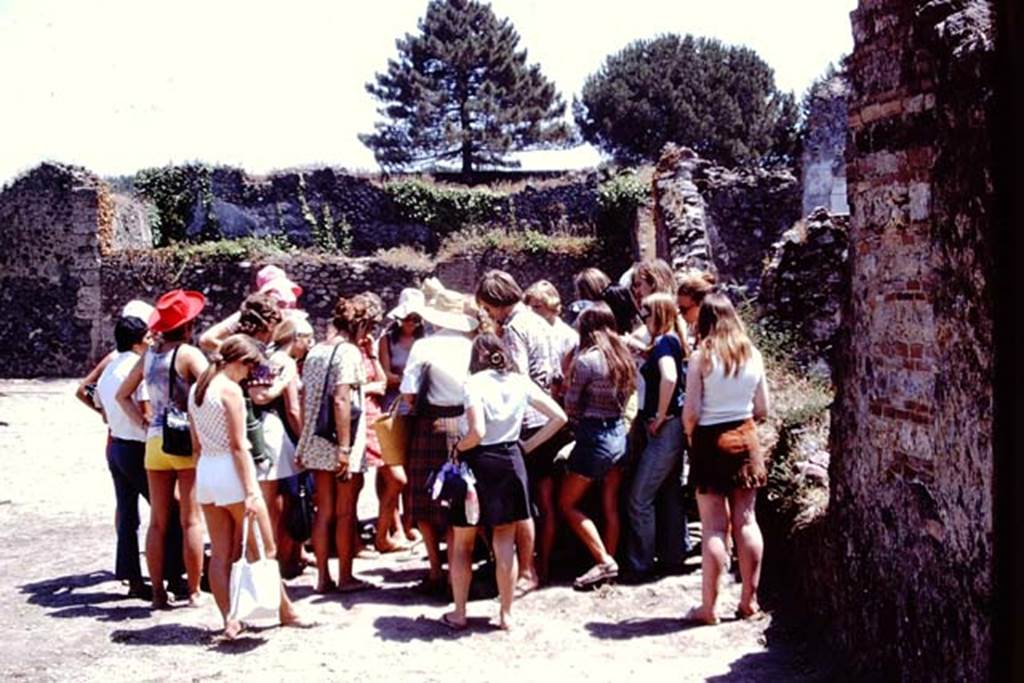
x,y
182,253
623,191
460,91
443,209
174,191
719,100
530,242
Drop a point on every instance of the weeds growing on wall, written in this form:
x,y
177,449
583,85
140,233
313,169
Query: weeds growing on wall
x,y
444,209
619,197
175,192
182,253
478,239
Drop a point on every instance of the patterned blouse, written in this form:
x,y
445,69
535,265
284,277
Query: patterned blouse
x,y
591,392
317,453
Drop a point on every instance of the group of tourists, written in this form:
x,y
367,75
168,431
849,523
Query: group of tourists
x,y
514,411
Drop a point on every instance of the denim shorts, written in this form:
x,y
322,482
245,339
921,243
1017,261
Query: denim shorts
x,y
600,443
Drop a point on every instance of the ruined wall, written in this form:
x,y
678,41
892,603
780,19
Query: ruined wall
x,y
805,280
720,219
911,508
54,223
822,162
292,203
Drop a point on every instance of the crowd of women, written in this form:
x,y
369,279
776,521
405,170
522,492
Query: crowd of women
x,y
639,392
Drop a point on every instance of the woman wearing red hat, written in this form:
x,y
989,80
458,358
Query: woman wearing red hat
x,y
169,368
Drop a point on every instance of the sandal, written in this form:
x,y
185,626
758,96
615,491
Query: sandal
x,y
328,587
756,615
451,624
696,617
597,574
355,585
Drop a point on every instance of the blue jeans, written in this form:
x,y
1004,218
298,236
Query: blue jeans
x,y
658,469
126,462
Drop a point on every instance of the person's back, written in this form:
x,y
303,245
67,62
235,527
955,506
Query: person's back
x,y
211,420
447,354
503,398
157,372
730,398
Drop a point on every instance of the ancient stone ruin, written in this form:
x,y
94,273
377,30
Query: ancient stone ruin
x,y
822,161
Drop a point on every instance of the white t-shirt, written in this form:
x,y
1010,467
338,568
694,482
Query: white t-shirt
x,y
726,399
121,426
503,398
448,353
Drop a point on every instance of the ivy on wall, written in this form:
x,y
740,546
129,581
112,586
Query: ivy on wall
x,y
445,209
176,192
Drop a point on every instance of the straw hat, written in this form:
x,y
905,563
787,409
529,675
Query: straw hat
x,y
447,311
410,300
431,288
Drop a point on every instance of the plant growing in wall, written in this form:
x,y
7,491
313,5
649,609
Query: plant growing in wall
x,y
460,91
444,209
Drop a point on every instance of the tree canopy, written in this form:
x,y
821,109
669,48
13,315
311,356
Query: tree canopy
x,y
719,100
461,91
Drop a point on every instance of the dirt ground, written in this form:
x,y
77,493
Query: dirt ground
x,y
67,618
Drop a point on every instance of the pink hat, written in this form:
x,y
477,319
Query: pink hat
x,y
272,280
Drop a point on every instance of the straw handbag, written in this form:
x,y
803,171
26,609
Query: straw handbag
x,y
393,434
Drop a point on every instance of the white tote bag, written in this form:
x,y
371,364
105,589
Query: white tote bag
x,y
255,586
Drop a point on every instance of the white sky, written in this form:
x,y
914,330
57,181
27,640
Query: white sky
x,y
118,85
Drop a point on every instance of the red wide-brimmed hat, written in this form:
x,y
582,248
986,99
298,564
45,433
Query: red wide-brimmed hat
x,y
175,308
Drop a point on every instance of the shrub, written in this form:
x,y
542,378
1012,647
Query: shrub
x,y
477,239
443,209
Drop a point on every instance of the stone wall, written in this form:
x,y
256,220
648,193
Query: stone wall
x,y
724,220
822,162
293,203
804,282
910,595
54,224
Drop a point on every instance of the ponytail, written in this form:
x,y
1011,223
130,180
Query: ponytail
x,y
216,363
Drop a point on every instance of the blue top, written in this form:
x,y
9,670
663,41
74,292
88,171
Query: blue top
x,y
156,373
665,345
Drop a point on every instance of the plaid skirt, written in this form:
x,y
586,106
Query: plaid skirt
x,y
434,434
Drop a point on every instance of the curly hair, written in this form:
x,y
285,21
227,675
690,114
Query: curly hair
x,y
353,314
258,314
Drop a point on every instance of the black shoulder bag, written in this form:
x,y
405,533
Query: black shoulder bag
x,y
325,422
177,434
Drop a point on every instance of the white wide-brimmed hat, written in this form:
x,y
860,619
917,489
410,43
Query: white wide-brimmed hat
x,y
431,288
136,308
410,301
447,311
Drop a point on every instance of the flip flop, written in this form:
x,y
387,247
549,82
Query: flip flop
x,y
355,585
757,615
452,625
694,617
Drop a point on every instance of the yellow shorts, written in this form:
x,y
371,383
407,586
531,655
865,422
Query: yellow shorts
x,y
156,459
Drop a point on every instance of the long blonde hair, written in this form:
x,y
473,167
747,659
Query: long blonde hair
x,y
722,335
665,311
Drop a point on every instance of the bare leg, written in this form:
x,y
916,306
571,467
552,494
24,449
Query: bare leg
x,y
574,487
433,544
749,545
224,547
714,556
548,528
161,497
389,487
525,534
322,523
412,532
347,495
610,505
192,530
460,567
505,571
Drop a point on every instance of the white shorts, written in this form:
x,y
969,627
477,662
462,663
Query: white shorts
x,y
217,480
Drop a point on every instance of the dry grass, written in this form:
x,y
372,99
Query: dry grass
x,y
405,256
476,240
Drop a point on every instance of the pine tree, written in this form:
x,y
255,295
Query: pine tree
x,y
719,100
461,91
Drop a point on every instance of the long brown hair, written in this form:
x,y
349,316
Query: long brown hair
x,y
666,317
598,330
237,347
656,274
590,283
489,353
722,335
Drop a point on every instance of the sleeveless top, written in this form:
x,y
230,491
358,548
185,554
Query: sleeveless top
x,y
211,423
399,356
155,371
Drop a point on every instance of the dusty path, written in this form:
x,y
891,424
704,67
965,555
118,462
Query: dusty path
x,y
65,617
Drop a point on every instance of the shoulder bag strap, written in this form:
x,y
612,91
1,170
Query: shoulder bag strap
x,y
327,374
171,374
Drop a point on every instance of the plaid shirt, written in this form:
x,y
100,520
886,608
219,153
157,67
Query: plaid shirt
x,y
591,392
527,337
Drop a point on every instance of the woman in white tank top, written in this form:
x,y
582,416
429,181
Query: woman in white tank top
x,y
226,485
726,391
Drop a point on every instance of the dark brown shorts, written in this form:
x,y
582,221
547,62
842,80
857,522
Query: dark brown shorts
x,y
725,457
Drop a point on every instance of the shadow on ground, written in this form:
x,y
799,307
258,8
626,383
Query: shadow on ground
x,y
68,598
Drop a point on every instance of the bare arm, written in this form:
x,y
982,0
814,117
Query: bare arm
x,y
211,339
126,395
293,406
667,370
384,354
761,400
477,429
547,406
92,378
234,414
694,394
190,363
342,419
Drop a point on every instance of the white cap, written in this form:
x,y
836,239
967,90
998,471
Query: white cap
x,y
137,308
